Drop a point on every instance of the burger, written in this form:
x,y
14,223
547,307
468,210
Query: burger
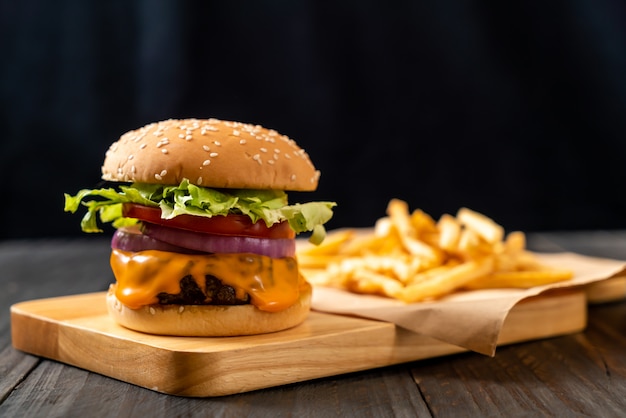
x,y
204,234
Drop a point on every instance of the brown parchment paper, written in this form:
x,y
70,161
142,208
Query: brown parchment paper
x,y
472,319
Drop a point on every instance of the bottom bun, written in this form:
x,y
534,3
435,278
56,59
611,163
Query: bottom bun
x,y
208,320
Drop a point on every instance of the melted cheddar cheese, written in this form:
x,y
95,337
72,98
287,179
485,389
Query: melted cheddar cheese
x,y
273,284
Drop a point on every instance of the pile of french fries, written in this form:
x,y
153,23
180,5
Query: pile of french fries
x,y
411,257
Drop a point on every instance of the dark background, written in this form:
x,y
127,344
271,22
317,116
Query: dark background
x,y
515,109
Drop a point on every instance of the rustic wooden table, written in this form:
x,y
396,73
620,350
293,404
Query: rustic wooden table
x,y
582,374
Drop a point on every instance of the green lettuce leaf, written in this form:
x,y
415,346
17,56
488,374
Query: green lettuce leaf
x,y
271,206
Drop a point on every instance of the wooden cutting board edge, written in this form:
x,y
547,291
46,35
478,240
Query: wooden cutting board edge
x,y
609,290
76,330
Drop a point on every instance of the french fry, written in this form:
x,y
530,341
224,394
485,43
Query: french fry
x,y
331,243
482,225
364,244
410,257
389,266
519,279
383,226
365,281
471,245
515,242
392,244
525,260
452,279
506,262
449,232
399,215
317,276
428,274
423,223
317,261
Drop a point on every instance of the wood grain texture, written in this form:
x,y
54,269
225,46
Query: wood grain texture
x,y
584,373
609,290
533,378
77,330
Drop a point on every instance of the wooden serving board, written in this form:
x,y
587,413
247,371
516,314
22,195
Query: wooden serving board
x,y
609,290
77,330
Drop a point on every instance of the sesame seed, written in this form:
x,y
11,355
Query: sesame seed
x,y
242,141
293,177
236,132
181,309
206,148
142,146
188,138
131,156
263,149
213,154
218,143
270,162
287,156
152,311
181,135
199,181
164,151
206,162
163,173
276,156
257,158
276,150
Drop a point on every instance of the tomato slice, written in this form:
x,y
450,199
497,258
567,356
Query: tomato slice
x,y
240,225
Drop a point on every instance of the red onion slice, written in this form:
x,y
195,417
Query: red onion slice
x,y
129,240
198,241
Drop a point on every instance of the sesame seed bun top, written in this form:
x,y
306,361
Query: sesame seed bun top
x,y
210,153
